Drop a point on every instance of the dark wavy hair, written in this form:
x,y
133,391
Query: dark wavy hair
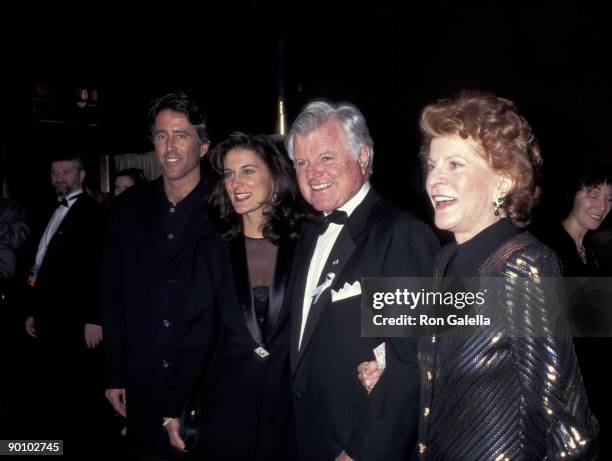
x,y
182,104
285,208
135,174
592,171
505,137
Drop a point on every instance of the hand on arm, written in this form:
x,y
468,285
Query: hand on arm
x,y
369,374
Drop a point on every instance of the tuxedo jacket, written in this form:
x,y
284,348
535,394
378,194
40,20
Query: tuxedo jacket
x,y
146,291
67,290
245,399
333,411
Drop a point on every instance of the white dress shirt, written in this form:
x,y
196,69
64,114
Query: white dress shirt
x,y
54,223
325,243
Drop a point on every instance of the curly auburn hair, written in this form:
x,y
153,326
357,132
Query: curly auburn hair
x,y
285,208
503,135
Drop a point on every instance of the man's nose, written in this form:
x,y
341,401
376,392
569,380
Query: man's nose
x,y
170,144
312,171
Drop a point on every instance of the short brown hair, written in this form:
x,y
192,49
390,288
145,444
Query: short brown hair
x,y
504,136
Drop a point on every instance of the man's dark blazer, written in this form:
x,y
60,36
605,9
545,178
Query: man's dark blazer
x,y
67,290
246,400
146,290
333,411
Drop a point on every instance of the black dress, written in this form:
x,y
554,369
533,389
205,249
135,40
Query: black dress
x,y
245,398
563,244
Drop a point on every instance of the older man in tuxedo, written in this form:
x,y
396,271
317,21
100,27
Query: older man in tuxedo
x,y
361,236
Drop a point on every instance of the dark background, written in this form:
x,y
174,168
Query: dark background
x,y
388,59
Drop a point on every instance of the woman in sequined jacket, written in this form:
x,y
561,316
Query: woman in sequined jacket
x,y
510,392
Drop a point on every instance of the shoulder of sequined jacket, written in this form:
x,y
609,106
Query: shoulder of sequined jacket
x,y
553,406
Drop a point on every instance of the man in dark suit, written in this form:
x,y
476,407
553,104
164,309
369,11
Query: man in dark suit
x,y
63,304
149,272
361,236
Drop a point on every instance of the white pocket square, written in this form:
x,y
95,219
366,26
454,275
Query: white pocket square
x,y
347,291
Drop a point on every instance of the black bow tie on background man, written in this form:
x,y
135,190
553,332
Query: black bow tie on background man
x,y
64,201
336,217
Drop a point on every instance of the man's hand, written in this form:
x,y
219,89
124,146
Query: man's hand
x,y
93,335
29,326
173,426
117,399
369,374
343,457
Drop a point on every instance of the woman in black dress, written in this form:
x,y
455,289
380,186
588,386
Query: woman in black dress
x,y
245,399
589,201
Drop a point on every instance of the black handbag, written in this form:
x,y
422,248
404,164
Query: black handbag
x,y
190,424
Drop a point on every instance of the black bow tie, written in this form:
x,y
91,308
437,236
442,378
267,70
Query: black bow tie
x,y
64,201
336,217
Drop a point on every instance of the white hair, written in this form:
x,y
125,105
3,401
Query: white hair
x,y
350,119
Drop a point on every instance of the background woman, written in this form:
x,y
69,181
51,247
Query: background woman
x,y
589,201
128,178
246,404
504,394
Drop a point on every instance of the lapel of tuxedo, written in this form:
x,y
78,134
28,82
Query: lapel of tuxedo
x,y
243,288
72,215
282,269
339,256
57,243
301,263
342,250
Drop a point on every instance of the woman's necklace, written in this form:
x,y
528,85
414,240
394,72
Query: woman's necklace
x,y
581,252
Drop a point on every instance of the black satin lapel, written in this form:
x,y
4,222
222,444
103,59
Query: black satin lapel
x,y
73,215
361,214
341,252
243,288
301,263
282,269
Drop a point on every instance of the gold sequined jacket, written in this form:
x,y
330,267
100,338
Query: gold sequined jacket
x,y
506,395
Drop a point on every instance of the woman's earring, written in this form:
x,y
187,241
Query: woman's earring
x,y
497,204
